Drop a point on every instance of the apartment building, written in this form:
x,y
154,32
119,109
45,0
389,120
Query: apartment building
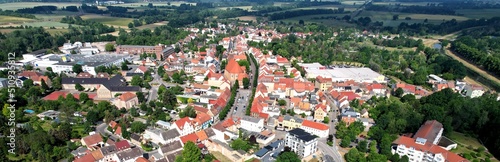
x,y
301,142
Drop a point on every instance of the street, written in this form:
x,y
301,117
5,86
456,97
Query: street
x,y
331,154
240,103
102,129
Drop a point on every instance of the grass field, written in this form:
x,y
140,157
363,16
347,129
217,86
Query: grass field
x,y
386,17
313,19
115,21
467,144
479,13
13,20
152,26
18,5
247,18
138,5
56,16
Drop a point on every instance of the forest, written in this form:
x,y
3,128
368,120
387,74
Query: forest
x,y
484,52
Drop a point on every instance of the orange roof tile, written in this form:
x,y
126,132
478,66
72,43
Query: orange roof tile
x,y
180,123
318,126
429,147
233,67
202,135
85,158
202,117
127,96
190,137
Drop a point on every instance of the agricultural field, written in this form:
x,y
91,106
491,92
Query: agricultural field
x,y
108,20
56,16
152,26
19,5
403,3
5,20
248,8
386,17
314,19
247,18
479,13
142,4
51,31
48,24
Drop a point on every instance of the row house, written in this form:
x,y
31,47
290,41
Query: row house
x,y
412,89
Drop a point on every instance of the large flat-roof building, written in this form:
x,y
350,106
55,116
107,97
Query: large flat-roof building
x,y
65,62
301,142
161,51
344,74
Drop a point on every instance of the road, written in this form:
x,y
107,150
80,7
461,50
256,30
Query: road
x,y
156,82
330,153
102,129
241,103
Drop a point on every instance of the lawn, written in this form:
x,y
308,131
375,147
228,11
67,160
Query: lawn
x,y
13,20
479,13
467,144
19,5
115,21
219,156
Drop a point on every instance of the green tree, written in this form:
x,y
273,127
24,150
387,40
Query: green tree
x,y
133,112
109,47
354,156
136,81
190,153
138,127
125,133
124,66
166,78
246,83
84,97
188,111
44,85
362,146
282,102
404,159
5,110
240,144
399,92
56,83
161,71
345,142
130,25
28,83
77,68
373,147
79,87
288,156
326,120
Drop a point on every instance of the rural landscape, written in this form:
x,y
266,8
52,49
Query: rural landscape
x,y
250,80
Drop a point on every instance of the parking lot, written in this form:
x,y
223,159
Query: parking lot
x,y
241,103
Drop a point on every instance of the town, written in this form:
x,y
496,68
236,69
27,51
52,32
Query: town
x,y
228,101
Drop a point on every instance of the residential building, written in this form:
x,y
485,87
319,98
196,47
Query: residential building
x,y
184,126
108,92
4,82
319,129
289,122
323,83
129,155
474,91
126,100
301,142
427,144
320,112
252,124
92,141
161,51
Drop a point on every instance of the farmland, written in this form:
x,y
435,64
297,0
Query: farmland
x,y
479,13
143,4
386,17
12,20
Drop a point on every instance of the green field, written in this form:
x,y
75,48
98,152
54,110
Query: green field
x,y
5,20
138,5
403,3
386,17
467,144
152,26
479,13
19,5
312,19
115,21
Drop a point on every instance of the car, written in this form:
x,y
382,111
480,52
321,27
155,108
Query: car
x,y
332,120
236,108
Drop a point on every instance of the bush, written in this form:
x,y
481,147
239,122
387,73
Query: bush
x,y
330,143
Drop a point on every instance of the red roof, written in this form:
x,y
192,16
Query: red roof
x,y
55,95
141,159
127,96
190,137
142,68
429,130
92,139
202,117
311,124
233,67
122,145
85,158
180,123
228,122
429,147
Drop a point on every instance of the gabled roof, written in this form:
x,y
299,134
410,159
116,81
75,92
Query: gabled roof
x,y
122,145
429,147
127,96
181,122
142,68
172,146
315,125
429,130
233,67
170,134
92,139
201,135
85,158
202,117
97,154
108,150
190,137
129,154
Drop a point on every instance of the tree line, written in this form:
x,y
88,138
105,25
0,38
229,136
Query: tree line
x,y
38,10
484,52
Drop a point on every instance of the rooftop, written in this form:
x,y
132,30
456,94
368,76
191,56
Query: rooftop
x,y
429,130
302,134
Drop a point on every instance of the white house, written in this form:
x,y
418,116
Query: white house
x,y
252,124
184,126
319,129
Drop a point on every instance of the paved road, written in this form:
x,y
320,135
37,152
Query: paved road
x,y
102,129
331,153
241,103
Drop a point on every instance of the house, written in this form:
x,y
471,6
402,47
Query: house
x,y
37,77
301,142
128,155
203,120
170,147
97,154
474,91
163,124
323,83
84,75
289,122
252,124
185,126
159,136
136,139
126,100
122,145
93,83
92,141
320,112
85,158
49,114
319,129
141,69
107,91
364,113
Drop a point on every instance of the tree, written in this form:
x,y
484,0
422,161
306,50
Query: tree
x,y
354,156
326,120
130,25
133,112
282,102
77,68
124,66
288,156
136,81
345,142
125,133
240,144
301,22
362,146
399,92
109,47
28,83
373,147
79,87
137,127
44,85
404,159
161,71
246,83
189,112
84,97
395,17
190,153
